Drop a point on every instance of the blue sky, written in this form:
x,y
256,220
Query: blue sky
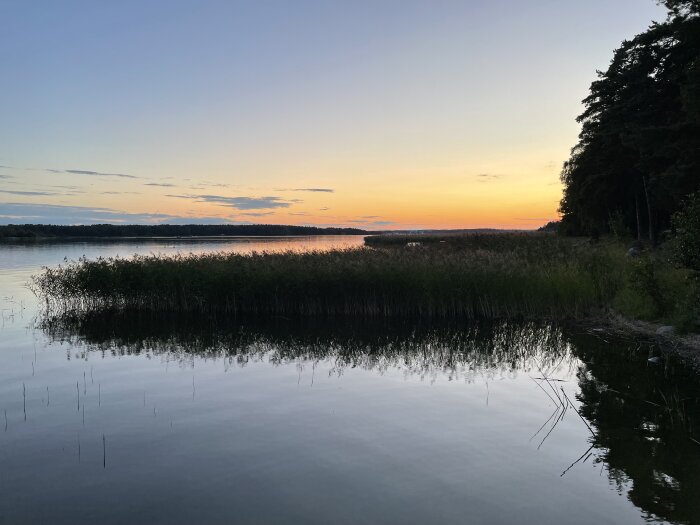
x,y
413,114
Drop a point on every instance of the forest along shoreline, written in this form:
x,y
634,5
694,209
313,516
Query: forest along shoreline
x,y
20,232
601,283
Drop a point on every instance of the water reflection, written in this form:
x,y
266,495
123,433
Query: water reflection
x,y
186,420
642,418
647,420
465,352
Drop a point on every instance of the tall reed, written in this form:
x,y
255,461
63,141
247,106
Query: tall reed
x,y
523,278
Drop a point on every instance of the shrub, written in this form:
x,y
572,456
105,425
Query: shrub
x,y
686,250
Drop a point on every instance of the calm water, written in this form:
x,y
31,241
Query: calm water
x,y
177,420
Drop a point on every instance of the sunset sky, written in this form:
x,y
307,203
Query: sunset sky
x,y
375,114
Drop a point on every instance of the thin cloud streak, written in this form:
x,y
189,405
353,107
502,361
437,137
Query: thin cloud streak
x,y
99,174
488,177
31,193
371,223
316,190
241,203
23,213
76,172
258,213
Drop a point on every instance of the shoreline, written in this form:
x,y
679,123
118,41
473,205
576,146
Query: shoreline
x,y
544,278
686,346
176,238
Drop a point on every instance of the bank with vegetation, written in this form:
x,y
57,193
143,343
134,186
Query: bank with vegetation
x,y
492,276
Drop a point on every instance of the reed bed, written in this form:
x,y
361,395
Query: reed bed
x,y
529,245
517,279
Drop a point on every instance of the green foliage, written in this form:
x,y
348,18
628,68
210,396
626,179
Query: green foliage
x,y
550,227
686,222
644,279
683,7
618,226
685,252
656,290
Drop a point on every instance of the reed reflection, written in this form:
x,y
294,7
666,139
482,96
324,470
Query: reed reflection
x,y
642,417
457,352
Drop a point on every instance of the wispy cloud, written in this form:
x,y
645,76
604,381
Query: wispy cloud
x,y
6,176
204,183
97,173
202,220
16,213
241,203
65,187
29,193
215,184
257,213
371,222
161,184
59,214
317,190
75,172
488,177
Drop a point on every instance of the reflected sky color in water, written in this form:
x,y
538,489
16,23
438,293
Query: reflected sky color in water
x,y
177,420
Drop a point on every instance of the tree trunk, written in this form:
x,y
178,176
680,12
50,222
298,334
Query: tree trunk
x,y
636,210
651,221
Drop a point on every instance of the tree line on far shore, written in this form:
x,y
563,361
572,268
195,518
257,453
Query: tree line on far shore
x,y
166,230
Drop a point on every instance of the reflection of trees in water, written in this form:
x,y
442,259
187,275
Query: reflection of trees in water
x,y
429,352
643,416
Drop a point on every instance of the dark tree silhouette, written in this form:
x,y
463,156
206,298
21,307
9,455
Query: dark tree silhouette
x,y
638,154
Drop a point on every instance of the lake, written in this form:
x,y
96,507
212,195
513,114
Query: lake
x,y
168,420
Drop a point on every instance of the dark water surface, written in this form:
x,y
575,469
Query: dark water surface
x,y
132,419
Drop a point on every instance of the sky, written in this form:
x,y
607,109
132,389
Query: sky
x,y
378,114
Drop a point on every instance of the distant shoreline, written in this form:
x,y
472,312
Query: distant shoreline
x,y
171,231
207,232
177,238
